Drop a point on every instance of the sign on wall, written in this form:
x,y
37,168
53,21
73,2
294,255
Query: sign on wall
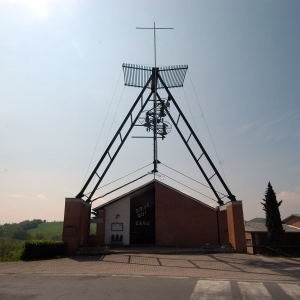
x,y
116,226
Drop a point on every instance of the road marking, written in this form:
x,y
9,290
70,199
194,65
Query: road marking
x,y
176,277
293,290
158,260
247,290
254,290
206,290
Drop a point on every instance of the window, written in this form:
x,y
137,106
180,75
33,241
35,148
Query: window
x,y
93,229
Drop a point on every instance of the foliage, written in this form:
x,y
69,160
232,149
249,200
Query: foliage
x,y
42,249
273,219
39,236
19,230
12,235
51,230
26,225
9,249
35,229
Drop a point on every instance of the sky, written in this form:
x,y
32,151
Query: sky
x,y
62,98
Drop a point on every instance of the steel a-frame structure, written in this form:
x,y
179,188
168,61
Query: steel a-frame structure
x,y
153,79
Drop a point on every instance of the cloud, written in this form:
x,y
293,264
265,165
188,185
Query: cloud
x,y
290,197
41,197
18,196
23,197
280,119
245,128
290,202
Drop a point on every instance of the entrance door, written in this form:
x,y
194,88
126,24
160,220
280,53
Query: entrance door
x,y
142,219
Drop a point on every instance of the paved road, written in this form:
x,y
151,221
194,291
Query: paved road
x,y
217,266
153,276
134,287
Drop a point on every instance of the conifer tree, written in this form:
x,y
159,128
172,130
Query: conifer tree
x,y
273,219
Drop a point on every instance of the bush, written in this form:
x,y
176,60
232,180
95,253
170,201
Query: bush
x,y
42,249
9,249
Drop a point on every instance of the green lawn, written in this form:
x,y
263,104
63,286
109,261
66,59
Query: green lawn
x,y
49,229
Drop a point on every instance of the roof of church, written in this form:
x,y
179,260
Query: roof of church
x,y
146,186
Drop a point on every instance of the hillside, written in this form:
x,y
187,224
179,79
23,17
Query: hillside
x,y
48,229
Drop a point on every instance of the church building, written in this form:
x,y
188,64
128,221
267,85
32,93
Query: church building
x,y
154,214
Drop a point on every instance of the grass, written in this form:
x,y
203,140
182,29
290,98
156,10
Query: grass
x,y
49,229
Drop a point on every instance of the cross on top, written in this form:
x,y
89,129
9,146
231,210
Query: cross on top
x,y
154,29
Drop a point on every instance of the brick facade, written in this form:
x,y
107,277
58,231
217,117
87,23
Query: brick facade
x,y
180,221
98,239
236,226
76,223
223,226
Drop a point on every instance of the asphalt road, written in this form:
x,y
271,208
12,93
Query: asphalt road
x,y
136,287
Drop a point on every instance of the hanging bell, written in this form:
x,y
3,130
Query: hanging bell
x,y
164,130
162,112
147,122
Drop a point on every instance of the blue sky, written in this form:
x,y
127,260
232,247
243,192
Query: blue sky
x,y
61,75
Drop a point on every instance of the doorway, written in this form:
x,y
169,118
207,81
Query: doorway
x,y
142,218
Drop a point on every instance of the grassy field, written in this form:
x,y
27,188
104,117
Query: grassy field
x,y
49,229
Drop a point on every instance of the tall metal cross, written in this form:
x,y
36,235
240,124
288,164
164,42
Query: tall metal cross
x,y
154,102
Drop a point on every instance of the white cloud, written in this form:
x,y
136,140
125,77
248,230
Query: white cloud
x,y
18,196
41,197
290,202
245,128
290,197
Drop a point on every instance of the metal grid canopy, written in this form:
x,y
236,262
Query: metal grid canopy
x,y
137,75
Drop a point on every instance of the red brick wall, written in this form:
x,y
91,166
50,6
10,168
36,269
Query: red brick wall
x,y
98,239
223,227
236,226
294,221
76,224
250,250
181,221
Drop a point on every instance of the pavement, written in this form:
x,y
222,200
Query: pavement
x,y
136,262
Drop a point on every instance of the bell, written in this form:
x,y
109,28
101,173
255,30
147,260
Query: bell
x,y
164,131
147,122
162,111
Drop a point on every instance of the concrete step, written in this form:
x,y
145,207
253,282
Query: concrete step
x,y
92,251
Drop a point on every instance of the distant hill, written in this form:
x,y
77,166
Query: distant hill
x,y
258,220
35,229
49,230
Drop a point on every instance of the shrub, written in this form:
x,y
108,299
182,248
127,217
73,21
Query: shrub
x,y
9,249
42,249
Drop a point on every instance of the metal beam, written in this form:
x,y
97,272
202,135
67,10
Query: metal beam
x,y
129,115
230,195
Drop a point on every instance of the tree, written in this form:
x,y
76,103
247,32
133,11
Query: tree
x,y
9,249
273,219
